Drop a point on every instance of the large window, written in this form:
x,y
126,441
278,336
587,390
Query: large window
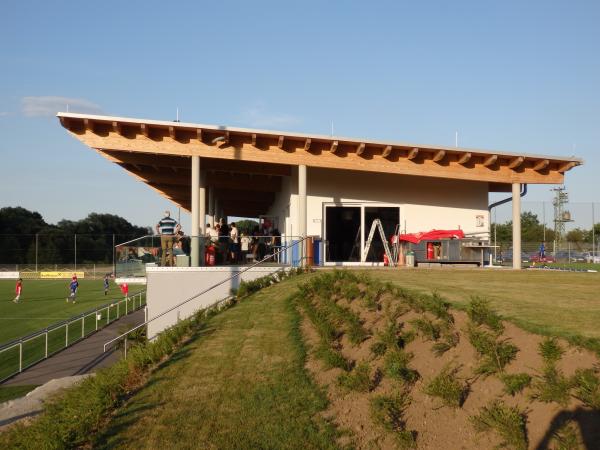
x,y
347,227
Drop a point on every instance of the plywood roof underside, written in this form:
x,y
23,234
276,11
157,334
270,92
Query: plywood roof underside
x,y
245,166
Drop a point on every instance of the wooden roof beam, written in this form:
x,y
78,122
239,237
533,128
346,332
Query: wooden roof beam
x,y
360,149
464,158
566,166
334,147
254,139
439,155
412,154
387,151
490,160
145,130
88,124
541,165
117,128
199,134
516,163
280,142
307,144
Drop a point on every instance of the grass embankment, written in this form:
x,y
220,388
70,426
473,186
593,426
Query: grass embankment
x,y
43,304
550,303
11,392
241,384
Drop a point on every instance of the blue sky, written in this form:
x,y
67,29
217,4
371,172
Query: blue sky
x,y
511,75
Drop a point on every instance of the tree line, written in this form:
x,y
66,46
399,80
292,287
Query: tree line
x,y
534,231
56,242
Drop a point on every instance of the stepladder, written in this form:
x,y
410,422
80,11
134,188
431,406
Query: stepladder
x,y
377,226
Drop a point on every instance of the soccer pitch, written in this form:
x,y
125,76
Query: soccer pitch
x,y
43,303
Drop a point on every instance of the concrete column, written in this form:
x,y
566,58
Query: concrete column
x,y
516,223
302,208
211,206
202,214
195,231
216,211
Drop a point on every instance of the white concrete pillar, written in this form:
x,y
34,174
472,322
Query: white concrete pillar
x,y
195,231
516,225
302,210
302,200
202,214
211,206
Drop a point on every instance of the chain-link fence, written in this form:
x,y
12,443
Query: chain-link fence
x,y
557,231
55,251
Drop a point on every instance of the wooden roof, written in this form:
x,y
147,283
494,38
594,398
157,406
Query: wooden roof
x,y
158,152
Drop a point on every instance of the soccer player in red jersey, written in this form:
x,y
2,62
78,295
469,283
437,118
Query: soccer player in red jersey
x,y
18,289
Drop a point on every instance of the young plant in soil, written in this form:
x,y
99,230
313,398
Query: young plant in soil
x,y
449,340
586,383
550,350
515,382
331,357
494,353
395,365
437,306
345,318
428,329
480,313
552,386
508,422
387,411
391,338
358,379
448,387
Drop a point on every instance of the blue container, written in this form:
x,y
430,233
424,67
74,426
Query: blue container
x,y
317,252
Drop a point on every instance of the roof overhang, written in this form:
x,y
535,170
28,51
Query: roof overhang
x,y
136,144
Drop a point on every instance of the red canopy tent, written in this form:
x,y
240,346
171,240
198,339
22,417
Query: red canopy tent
x,y
432,235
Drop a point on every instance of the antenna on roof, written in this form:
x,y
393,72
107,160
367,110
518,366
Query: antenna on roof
x,y
332,128
456,138
67,107
177,119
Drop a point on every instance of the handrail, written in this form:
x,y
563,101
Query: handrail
x,y
204,292
136,239
56,325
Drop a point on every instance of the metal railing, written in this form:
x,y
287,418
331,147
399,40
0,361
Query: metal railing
x,y
273,255
133,256
22,353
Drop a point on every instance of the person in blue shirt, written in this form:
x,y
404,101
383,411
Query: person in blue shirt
x,y
106,284
73,288
542,250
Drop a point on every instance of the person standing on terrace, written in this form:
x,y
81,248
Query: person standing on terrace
x,y
167,228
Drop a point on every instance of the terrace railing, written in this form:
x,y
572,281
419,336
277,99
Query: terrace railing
x,y
22,353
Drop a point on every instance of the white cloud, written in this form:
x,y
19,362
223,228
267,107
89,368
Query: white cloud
x,y
50,105
4,113
257,116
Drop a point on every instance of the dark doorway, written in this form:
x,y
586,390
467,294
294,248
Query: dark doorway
x,y
390,218
342,231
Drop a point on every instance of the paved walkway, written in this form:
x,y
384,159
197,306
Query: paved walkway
x,y
84,357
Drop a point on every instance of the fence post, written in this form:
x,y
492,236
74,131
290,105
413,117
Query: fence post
x,y
75,252
107,315
126,304
36,252
82,326
46,342
118,309
96,315
67,334
125,347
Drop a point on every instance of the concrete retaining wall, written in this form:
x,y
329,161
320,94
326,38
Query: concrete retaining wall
x,y
168,286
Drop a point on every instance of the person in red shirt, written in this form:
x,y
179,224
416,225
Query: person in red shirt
x,y
125,290
18,289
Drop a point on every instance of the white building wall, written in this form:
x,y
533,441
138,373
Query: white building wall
x,y
426,203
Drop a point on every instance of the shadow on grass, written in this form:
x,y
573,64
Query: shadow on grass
x,y
119,423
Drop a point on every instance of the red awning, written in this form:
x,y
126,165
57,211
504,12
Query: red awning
x,y
432,235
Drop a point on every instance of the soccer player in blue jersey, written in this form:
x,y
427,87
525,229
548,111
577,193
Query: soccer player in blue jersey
x,y
167,228
73,288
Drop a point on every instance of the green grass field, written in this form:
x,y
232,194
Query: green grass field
x,y
43,303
